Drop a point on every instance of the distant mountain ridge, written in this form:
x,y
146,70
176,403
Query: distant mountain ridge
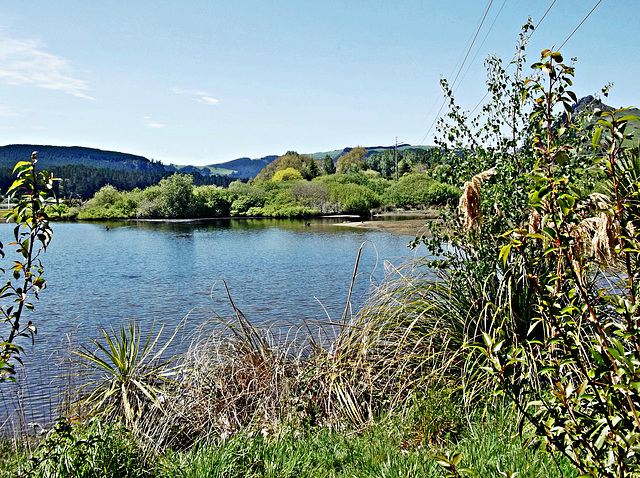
x,y
237,168
79,155
63,155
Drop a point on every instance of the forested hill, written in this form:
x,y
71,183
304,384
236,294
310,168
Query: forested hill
x,y
83,171
63,155
244,168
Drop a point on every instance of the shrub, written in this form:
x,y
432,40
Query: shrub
x,y
581,371
212,201
107,195
353,198
32,234
176,196
88,450
420,190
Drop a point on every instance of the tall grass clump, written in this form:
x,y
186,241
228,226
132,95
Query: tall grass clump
x,y
234,376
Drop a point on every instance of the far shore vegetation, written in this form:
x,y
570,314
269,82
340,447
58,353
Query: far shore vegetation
x,y
294,185
515,353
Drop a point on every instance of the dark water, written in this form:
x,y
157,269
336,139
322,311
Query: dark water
x,y
276,270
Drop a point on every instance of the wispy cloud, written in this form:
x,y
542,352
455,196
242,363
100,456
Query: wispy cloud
x,y
153,124
197,95
25,62
7,111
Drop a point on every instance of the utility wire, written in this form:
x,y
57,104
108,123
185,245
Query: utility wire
x,y
486,12
527,39
472,42
584,20
535,28
480,47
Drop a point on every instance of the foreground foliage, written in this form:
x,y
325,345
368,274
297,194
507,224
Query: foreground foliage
x,y
550,270
403,446
31,191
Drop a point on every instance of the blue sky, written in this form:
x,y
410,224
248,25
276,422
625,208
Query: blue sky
x,y
201,82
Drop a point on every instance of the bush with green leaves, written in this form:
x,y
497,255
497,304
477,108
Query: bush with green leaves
x,y
540,272
353,198
577,381
420,190
87,450
287,174
176,193
32,233
212,201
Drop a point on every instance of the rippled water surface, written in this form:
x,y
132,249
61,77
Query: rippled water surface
x,y
157,272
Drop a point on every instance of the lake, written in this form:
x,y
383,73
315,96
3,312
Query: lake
x,y
103,274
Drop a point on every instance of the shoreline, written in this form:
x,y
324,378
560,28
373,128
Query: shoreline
x,y
402,222
406,227
415,223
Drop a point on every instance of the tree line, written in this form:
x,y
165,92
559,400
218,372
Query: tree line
x,y
293,185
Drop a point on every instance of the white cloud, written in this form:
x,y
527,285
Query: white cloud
x,y
24,62
7,111
153,124
208,100
197,95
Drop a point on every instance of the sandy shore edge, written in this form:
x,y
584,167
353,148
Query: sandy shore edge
x,y
416,226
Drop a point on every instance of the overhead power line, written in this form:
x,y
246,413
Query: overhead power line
x,y
583,20
482,43
472,42
527,39
535,28
486,12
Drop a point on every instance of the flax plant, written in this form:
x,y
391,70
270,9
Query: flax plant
x,y
123,378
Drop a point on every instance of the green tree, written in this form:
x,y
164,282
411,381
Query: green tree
x,y
328,166
404,167
288,174
383,162
176,194
299,162
313,171
353,160
212,201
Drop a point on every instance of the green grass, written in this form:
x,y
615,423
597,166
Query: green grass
x,y
399,446
394,448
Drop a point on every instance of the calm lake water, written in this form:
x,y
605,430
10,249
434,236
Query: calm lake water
x,y
158,272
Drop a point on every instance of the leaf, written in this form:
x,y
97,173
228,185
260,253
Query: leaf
x,y
504,254
21,166
562,158
557,56
627,118
595,140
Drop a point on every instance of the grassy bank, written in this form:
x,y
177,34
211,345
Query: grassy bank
x,y
407,445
